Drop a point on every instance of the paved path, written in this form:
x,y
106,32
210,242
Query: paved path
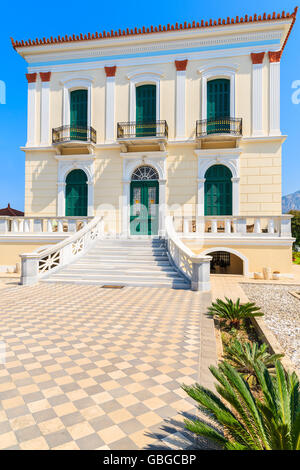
x,y
94,368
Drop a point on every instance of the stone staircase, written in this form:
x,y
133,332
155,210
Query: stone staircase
x,y
129,262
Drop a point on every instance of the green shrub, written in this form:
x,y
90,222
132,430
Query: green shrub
x,y
245,357
234,312
249,423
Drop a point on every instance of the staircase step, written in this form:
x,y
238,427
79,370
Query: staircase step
x,y
106,277
129,262
123,262
125,268
116,257
138,283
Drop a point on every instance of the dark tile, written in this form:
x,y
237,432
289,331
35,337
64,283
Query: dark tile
x,y
18,411
44,415
131,426
118,392
70,387
4,427
58,400
137,409
110,406
93,390
30,397
101,422
143,395
91,442
9,394
123,444
82,403
72,418
26,434
58,438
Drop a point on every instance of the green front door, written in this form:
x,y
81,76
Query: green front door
x,y
218,106
218,191
145,110
78,114
76,193
144,207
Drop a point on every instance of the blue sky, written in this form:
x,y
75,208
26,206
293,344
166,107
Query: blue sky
x,y
33,19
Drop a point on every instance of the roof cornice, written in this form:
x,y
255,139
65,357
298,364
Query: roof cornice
x,y
202,25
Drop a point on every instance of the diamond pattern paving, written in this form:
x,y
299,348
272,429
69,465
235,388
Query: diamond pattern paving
x,y
94,368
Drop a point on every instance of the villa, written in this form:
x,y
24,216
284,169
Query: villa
x,y
167,134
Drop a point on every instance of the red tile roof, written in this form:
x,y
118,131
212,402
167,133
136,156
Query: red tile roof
x,y
11,212
156,29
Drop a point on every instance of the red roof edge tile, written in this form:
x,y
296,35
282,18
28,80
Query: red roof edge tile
x,y
155,29
9,211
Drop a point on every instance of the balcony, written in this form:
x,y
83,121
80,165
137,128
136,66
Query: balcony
x,y
71,136
35,226
147,133
247,227
228,130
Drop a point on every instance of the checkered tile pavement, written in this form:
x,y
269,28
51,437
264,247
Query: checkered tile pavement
x,y
94,368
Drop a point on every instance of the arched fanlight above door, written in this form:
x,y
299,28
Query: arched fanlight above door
x,y
144,173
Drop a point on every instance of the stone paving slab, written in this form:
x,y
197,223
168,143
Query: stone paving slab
x,y
94,368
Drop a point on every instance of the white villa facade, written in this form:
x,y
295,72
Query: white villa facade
x,y
173,123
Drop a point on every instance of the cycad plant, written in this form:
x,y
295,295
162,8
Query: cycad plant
x,y
245,357
234,312
249,423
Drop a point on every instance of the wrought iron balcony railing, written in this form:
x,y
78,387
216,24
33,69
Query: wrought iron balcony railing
x,y
133,130
70,134
227,125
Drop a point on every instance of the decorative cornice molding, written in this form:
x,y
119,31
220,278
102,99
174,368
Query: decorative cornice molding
x,y
257,58
156,29
181,65
31,77
110,71
179,43
274,56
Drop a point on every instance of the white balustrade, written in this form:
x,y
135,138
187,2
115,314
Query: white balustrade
x,y
196,268
43,262
28,225
234,226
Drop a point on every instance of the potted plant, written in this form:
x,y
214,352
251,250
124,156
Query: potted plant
x,y
276,275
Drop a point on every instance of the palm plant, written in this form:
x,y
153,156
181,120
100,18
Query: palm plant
x,y
249,423
234,312
245,357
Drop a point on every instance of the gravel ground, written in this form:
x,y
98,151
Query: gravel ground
x,y
282,314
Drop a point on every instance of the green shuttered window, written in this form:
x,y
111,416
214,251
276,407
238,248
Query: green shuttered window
x,y
78,114
76,193
218,191
218,105
146,110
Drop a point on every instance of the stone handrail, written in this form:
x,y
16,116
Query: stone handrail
x,y
196,268
43,224
43,262
235,225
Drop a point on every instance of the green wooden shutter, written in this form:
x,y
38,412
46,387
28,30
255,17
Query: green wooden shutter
x,y
78,114
76,193
218,105
146,109
218,191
